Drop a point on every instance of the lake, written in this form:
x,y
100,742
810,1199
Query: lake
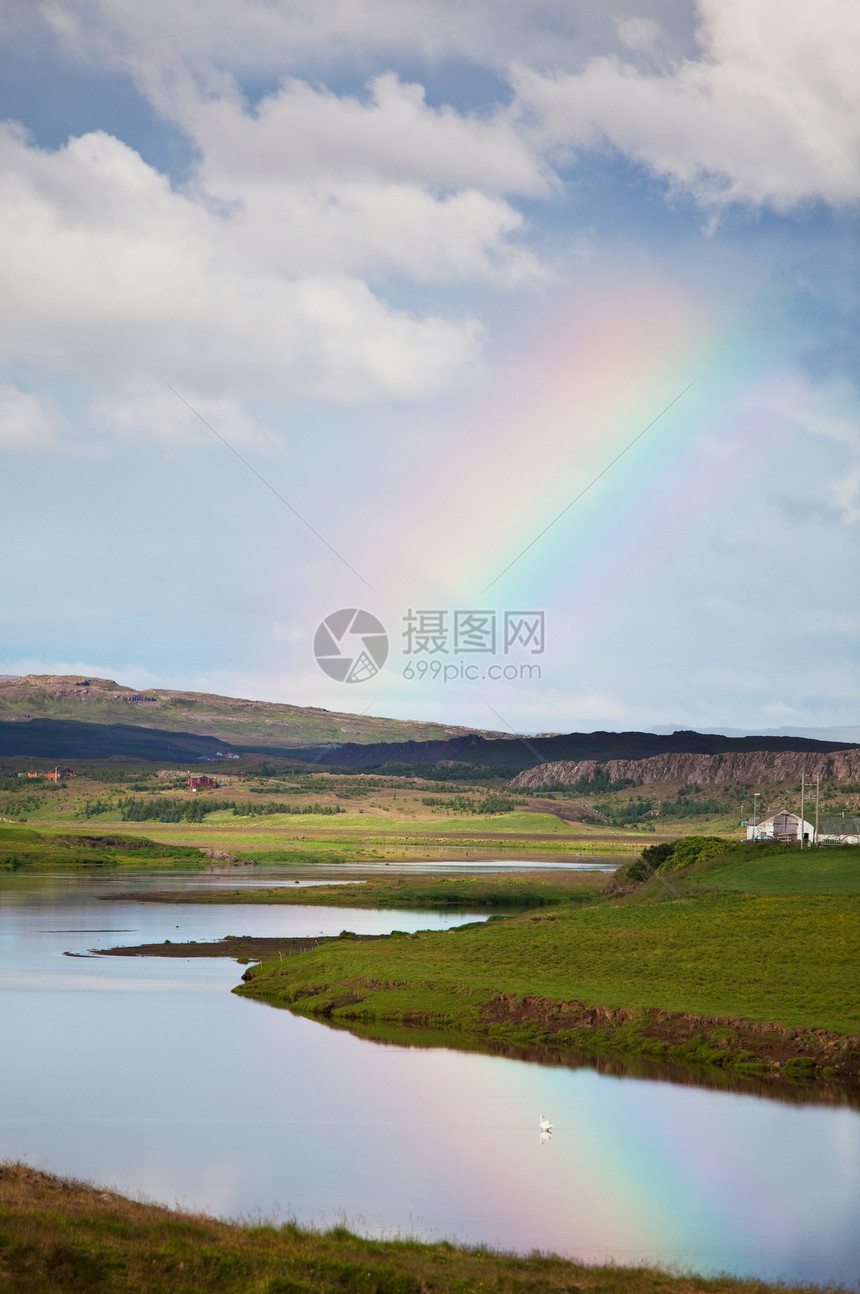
x,y
150,1076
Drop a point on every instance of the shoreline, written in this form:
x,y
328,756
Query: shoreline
x,y
817,1064
821,1062
241,948
734,982
756,984
468,892
64,1234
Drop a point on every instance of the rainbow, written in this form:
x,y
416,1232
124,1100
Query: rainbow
x,y
599,372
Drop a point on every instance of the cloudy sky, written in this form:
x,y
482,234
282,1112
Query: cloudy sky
x,y
454,312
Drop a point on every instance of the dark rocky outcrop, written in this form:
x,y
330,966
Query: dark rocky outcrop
x,y
760,766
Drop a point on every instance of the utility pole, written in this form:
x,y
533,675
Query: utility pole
x,y
802,804
817,791
756,798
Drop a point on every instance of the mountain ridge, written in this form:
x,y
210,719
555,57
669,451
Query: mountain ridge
x,y
87,699
70,717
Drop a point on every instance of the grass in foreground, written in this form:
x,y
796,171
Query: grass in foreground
x,y
59,1236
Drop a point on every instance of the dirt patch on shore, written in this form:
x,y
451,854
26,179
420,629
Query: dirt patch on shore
x,y
247,947
717,1039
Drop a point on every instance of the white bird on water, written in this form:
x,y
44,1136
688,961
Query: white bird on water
x,y
545,1125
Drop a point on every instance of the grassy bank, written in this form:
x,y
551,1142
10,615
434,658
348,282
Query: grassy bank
x,y
493,892
697,863
307,839
752,980
784,871
60,1236
23,849
242,948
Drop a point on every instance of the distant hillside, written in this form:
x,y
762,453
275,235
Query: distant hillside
x,y
224,718
847,735
65,739
62,718
511,753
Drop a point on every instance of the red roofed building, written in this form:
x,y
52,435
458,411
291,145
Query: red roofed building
x,y
201,783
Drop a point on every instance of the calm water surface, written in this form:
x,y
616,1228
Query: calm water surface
x,y
151,1076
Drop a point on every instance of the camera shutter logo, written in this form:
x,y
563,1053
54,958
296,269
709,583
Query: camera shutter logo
x,y
351,645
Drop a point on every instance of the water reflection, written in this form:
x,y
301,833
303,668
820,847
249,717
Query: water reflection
x,y
711,1078
153,1077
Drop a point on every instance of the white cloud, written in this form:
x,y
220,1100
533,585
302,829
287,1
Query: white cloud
x,y
142,411
830,410
322,184
27,421
306,133
764,109
105,270
768,114
375,230
314,183
639,35
272,35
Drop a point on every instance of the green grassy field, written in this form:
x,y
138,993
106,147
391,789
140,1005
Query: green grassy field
x,y
64,1237
23,849
372,836
181,843
782,959
466,893
787,960
786,871
267,802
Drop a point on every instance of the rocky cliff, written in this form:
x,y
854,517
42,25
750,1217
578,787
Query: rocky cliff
x,y
759,766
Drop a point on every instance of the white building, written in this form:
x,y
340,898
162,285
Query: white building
x,y
782,826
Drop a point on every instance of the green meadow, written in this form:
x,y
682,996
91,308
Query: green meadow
x,y
24,850
783,959
785,871
765,954
494,891
266,811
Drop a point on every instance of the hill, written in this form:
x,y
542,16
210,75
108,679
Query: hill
x,y
66,717
515,753
224,719
60,739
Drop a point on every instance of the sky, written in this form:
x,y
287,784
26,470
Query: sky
x,y
525,328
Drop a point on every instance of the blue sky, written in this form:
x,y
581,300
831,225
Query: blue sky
x,y
429,269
